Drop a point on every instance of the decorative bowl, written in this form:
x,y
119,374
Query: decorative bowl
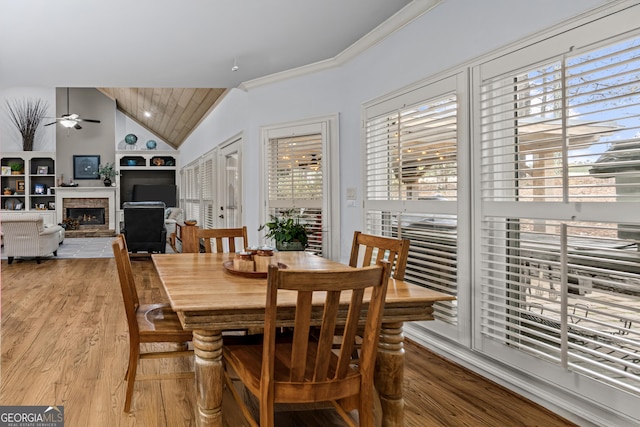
x,y
228,266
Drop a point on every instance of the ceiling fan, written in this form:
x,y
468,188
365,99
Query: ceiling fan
x,y
71,120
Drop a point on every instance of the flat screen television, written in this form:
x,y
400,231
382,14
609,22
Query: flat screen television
x,y
166,193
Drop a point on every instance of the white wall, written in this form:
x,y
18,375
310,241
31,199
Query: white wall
x,y
220,125
92,139
10,138
454,32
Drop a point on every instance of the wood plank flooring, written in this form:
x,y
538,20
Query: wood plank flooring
x,y
64,342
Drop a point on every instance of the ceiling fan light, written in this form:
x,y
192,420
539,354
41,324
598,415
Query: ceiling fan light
x,y
68,123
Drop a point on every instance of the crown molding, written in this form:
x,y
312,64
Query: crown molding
x,y
400,19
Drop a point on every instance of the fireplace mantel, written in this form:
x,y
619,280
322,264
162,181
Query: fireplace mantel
x,y
87,193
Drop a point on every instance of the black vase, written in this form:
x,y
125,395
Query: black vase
x,y
107,182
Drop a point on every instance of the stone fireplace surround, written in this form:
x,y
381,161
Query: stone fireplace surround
x,y
88,197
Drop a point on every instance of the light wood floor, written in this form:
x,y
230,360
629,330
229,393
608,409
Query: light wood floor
x,y
65,342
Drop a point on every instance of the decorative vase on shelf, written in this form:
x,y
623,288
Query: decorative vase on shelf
x,y
107,182
27,142
151,144
131,139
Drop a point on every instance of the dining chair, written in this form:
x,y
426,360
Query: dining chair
x,y
301,367
148,323
224,238
369,249
377,248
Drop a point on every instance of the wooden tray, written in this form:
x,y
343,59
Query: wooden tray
x,y
228,265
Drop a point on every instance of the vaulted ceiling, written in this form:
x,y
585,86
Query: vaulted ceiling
x,y
144,53
170,113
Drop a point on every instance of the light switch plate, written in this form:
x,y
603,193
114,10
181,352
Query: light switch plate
x,y
351,193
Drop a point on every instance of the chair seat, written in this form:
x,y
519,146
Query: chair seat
x,y
159,319
245,358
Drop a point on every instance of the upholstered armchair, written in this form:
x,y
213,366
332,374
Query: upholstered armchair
x,y
144,228
26,236
172,216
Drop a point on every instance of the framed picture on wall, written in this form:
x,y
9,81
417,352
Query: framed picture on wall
x,y
86,167
43,170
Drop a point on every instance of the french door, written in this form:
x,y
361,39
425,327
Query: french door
x,y
229,177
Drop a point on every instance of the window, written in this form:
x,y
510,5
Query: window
x,y
302,165
559,184
412,182
190,189
295,182
207,193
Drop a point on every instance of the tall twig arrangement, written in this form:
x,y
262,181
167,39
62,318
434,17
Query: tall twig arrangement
x,y
27,114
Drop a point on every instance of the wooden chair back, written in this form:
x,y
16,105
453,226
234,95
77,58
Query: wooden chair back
x,y
302,367
391,249
224,239
127,284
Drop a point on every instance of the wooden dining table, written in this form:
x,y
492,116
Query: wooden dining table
x,y
210,299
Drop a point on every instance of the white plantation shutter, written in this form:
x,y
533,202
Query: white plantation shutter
x,y
207,187
573,126
411,153
560,185
191,192
432,260
412,183
295,182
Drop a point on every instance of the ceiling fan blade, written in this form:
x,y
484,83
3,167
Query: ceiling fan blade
x,y
52,123
77,126
88,120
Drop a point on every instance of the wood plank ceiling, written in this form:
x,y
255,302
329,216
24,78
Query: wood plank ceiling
x,y
169,113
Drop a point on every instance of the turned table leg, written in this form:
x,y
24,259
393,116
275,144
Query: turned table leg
x,y
389,374
209,377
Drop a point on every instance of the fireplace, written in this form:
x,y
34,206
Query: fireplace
x,y
86,216
91,213
92,207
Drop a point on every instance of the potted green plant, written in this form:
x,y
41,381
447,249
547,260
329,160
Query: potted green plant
x,y
107,172
287,231
16,168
